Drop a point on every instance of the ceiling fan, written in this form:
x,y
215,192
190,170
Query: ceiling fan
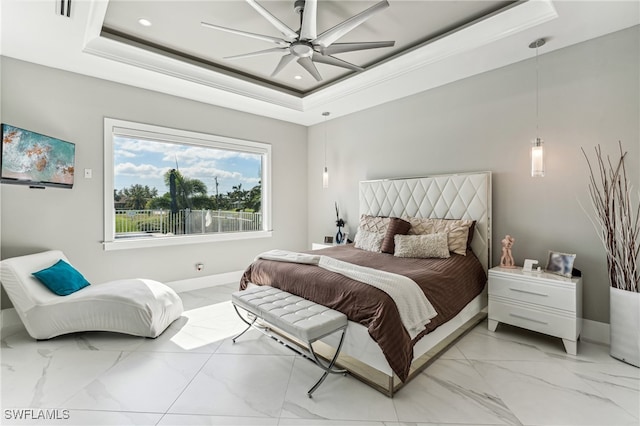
x,y
305,45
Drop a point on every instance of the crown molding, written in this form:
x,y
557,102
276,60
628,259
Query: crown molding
x,y
487,30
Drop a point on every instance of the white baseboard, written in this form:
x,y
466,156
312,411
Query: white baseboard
x,y
594,331
206,281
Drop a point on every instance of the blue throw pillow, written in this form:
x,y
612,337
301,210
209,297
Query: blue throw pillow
x,y
61,278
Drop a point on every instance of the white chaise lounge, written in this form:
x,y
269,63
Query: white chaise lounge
x,y
139,307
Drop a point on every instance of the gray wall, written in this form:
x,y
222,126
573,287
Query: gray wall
x,y
72,107
589,96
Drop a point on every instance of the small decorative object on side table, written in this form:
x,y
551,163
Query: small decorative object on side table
x,y
506,261
538,301
339,224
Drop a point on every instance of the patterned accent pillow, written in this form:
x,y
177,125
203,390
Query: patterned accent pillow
x,y
374,223
457,229
422,246
397,226
369,241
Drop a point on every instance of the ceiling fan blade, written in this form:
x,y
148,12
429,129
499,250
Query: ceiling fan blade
x,y
308,65
330,60
333,34
284,61
352,47
246,34
281,26
258,53
309,19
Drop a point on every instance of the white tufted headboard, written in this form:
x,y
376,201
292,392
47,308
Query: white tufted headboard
x,y
455,196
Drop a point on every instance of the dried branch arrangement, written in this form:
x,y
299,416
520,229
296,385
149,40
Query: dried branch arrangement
x,y
616,220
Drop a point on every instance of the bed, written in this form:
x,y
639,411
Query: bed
x,y
377,349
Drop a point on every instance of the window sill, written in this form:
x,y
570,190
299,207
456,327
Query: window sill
x,y
136,243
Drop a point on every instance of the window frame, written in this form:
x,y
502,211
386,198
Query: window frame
x,y
114,127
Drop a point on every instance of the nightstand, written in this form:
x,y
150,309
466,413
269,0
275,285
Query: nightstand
x,y
318,246
538,301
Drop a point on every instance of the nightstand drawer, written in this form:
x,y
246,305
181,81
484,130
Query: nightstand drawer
x,y
543,322
531,292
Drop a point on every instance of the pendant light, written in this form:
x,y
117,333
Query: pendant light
x,y
325,171
537,148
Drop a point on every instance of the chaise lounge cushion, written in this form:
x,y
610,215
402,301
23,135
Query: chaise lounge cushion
x,y
139,307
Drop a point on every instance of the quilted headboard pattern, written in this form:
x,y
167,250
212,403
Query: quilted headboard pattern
x,y
456,196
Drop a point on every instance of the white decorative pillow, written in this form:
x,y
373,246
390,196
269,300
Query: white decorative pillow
x,y
422,246
369,241
456,229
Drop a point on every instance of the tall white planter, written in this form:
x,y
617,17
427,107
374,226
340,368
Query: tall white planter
x,y
625,325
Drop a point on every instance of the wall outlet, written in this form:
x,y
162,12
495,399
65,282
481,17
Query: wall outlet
x,y
199,266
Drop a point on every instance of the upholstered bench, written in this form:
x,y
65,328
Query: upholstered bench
x,y
302,319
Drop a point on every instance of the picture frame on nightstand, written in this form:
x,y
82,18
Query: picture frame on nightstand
x,y
328,240
560,263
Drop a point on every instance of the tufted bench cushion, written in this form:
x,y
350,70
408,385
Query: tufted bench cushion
x,y
299,317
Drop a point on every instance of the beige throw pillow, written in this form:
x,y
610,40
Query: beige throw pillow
x,y
374,223
422,246
456,229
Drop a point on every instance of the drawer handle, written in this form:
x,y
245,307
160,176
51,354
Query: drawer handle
x,y
529,319
529,292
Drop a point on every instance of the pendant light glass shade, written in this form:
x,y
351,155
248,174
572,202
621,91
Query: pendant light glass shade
x,y
537,158
325,178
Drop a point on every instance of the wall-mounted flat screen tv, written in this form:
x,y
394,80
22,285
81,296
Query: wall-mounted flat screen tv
x,y
29,158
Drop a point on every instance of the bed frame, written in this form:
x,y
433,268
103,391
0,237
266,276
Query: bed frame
x,y
453,196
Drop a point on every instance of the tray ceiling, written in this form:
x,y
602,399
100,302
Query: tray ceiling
x,y
175,31
33,31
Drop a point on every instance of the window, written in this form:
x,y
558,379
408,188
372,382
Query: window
x,y
166,186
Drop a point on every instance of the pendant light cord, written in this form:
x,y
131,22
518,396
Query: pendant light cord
x,y
325,115
325,141
537,93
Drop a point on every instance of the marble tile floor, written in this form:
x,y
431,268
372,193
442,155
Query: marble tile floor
x,y
193,375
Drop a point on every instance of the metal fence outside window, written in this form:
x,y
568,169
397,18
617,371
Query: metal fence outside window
x,y
138,223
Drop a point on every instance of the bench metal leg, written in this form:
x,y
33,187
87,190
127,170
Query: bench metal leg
x,y
249,324
328,369
313,358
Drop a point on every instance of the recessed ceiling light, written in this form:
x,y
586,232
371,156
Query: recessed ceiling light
x,y
297,77
144,22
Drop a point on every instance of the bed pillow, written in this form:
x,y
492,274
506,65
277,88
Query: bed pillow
x,y
61,278
374,223
369,241
396,226
422,246
456,229
472,230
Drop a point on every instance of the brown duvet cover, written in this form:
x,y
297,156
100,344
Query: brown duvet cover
x,y
449,284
